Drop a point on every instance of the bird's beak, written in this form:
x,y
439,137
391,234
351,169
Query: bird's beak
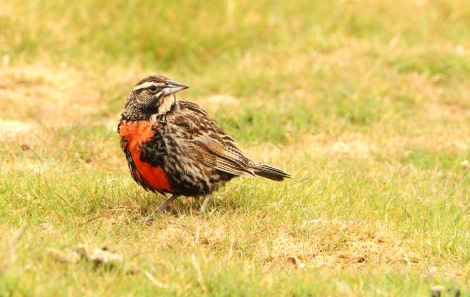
x,y
173,87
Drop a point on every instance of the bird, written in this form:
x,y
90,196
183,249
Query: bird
x,y
173,146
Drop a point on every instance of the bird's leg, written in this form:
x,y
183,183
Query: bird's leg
x,y
164,205
204,203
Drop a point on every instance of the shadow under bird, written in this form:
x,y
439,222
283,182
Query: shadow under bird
x,y
172,146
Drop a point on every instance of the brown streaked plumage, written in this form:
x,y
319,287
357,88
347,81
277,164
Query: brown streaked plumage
x,y
173,146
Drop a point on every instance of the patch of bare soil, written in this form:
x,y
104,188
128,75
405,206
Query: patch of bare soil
x,y
332,244
335,243
46,94
328,245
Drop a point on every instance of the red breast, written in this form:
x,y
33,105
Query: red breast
x,y
136,134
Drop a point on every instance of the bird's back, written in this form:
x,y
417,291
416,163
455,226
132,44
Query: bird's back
x,y
197,156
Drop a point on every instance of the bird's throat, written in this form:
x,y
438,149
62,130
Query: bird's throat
x,y
166,105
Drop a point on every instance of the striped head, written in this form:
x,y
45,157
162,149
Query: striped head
x,y
150,97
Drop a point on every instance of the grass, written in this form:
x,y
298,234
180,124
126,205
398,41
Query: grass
x,y
364,102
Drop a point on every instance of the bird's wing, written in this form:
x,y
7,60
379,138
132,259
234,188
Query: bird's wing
x,y
210,144
213,151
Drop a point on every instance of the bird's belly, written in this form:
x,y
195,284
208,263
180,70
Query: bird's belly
x,y
195,179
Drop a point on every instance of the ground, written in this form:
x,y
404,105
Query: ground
x,y
365,103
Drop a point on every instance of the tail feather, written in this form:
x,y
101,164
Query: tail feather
x,y
270,172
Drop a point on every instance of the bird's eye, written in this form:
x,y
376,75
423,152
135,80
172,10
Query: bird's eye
x,y
153,88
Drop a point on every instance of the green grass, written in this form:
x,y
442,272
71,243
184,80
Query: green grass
x,y
364,102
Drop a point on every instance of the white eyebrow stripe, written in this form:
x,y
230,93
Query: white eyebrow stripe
x,y
144,85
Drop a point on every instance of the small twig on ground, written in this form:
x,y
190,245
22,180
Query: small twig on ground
x,y
91,220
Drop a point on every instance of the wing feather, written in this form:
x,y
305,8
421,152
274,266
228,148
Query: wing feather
x,y
222,156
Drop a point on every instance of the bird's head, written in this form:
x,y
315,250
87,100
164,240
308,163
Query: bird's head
x,y
152,96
